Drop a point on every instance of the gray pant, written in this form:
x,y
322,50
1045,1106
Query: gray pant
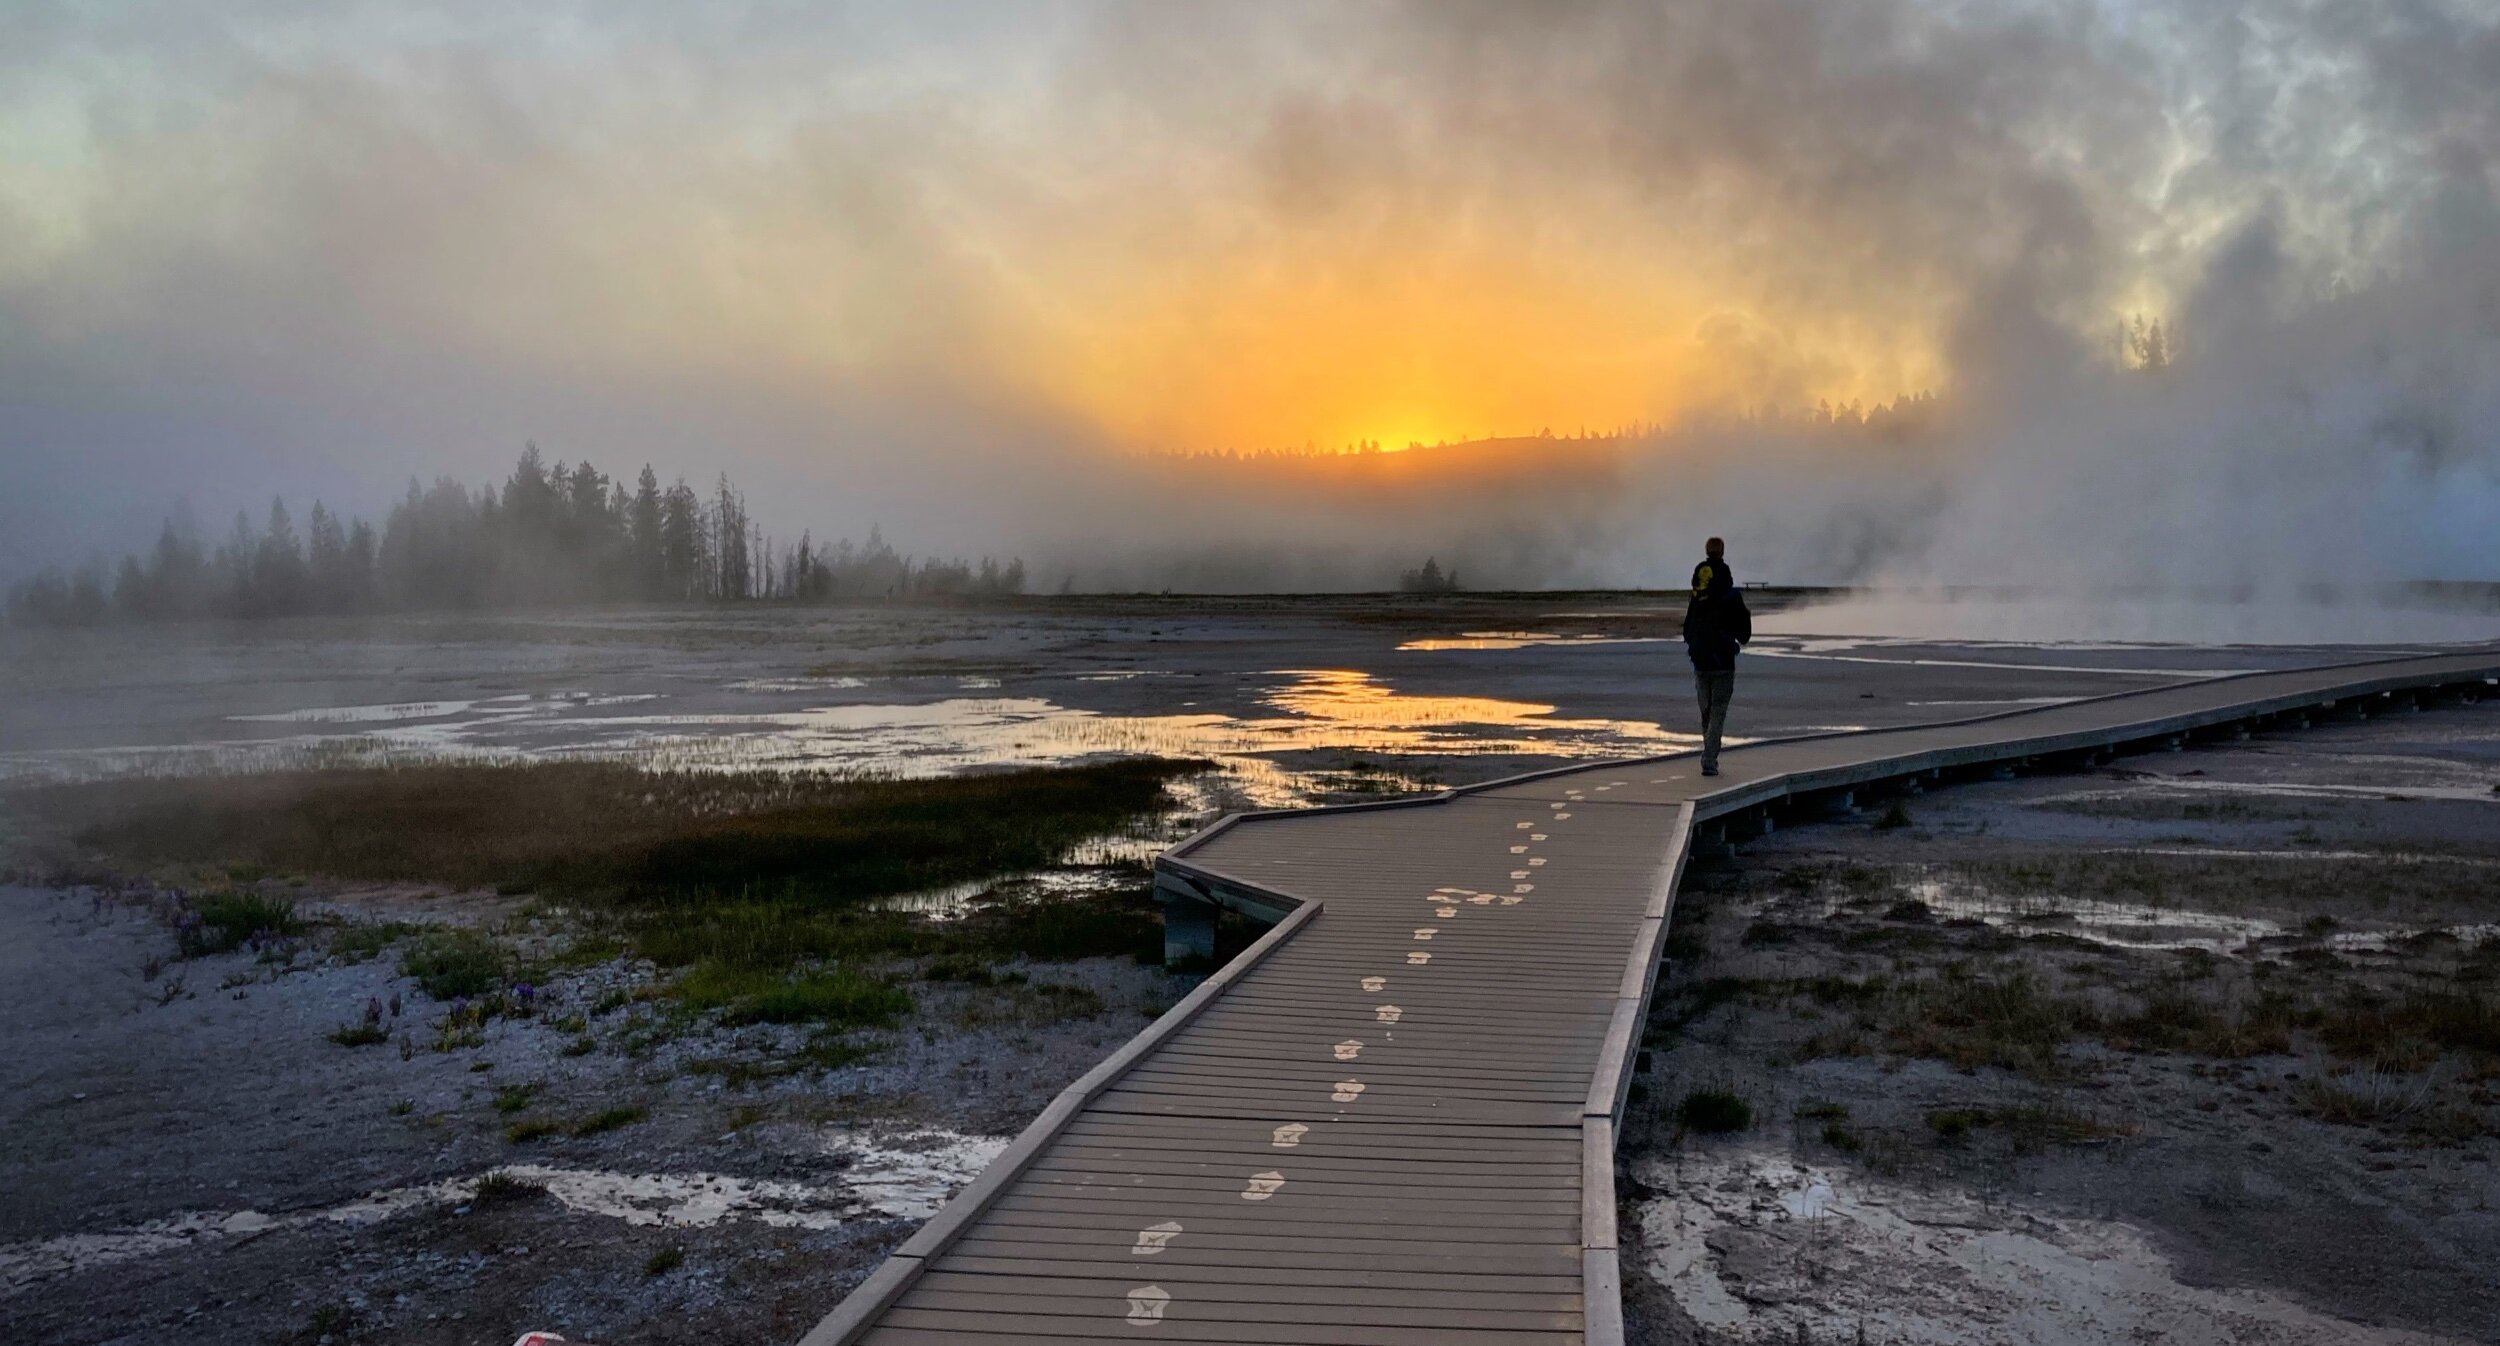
x,y
1716,690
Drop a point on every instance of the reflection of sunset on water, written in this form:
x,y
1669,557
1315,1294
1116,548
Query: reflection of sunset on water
x,y
1317,710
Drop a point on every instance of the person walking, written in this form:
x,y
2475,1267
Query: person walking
x,y
1716,623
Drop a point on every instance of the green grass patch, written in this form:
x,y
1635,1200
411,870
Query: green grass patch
x,y
836,997
224,922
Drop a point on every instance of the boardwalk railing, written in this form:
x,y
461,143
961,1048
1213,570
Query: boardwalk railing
x,y
1445,1170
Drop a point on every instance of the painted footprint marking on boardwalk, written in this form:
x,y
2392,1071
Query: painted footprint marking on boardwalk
x,y
1154,1238
1536,861
1348,1049
1388,1014
1519,873
1347,1091
1263,1185
1445,913
1418,958
1374,983
1146,1304
1423,932
1536,836
1289,1135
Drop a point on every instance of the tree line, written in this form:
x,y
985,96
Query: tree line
x,y
545,536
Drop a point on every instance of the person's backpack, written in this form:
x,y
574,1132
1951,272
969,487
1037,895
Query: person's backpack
x,y
1740,621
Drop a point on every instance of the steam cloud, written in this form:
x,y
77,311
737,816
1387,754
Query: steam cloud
x,y
847,257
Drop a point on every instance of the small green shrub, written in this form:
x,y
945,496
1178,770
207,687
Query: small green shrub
x,y
664,1261
364,1034
1714,1112
608,1119
449,964
225,922
500,1187
1954,1123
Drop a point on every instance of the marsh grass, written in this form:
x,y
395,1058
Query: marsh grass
x,y
605,832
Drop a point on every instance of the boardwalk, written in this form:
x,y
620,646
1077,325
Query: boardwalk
x,y
1391,1120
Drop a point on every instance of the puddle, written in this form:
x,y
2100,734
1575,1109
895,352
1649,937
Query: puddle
x,y
899,1175
909,1176
2477,792
1520,640
1766,1249
406,710
956,901
2133,925
2122,925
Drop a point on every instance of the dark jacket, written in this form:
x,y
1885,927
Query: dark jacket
x,y
1716,621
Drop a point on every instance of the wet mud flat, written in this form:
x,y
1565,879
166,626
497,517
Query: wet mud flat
x,y
1300,698
2202,1047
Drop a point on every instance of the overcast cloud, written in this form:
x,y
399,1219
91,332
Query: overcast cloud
x,y
945,267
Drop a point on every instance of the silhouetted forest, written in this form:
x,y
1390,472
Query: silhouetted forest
x,y
547,535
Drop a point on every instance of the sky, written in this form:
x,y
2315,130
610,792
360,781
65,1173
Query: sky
x,y
953,268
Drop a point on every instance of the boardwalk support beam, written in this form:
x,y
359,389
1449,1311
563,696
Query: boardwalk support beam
x,y
1188,931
